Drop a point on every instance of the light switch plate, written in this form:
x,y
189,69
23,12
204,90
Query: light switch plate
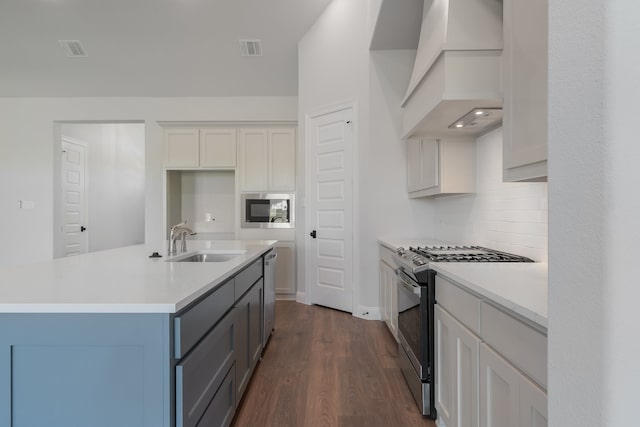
x,y
26,204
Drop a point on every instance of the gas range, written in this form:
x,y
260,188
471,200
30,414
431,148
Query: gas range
x,y
414,261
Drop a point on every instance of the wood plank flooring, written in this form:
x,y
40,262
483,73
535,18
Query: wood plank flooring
x,y
326,368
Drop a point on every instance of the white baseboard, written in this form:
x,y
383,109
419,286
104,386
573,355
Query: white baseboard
x,y
285,297
368,313
301,297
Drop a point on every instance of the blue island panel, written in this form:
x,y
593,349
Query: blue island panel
x,y
84,370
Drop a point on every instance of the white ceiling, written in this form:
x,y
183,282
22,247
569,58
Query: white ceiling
x,y
152,47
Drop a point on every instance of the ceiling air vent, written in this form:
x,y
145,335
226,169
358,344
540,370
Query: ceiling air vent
x,y
73,48
251,47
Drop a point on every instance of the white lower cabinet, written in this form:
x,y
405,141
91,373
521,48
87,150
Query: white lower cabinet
x,y
507,397
286,269
388,297
457,372
475,384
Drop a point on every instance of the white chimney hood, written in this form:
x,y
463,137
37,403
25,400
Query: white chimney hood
x,y
457,69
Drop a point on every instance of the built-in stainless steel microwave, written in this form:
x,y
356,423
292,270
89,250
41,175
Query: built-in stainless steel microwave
x,y
264,210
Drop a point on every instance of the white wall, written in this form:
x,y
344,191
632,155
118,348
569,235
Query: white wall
x,y
335,66
210,192
593,213
508,216
115,177
27,145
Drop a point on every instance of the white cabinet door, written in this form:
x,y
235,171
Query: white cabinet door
x,y
282,159
533,405
267,159
437,166
414,165
182,147
430,156
525,90
253,162
388,297
444,381
218,148
286,268
499,384
457,359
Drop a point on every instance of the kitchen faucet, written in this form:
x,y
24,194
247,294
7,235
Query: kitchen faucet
x,y
179,230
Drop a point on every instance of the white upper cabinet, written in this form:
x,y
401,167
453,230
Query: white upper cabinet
x,y
282,159
439,167
218,148
182,148
267,159
525,90
254,167
211,148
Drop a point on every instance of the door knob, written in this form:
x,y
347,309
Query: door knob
x,y
313,234
82,228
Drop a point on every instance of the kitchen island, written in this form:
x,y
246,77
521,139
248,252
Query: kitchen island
x,y
117,338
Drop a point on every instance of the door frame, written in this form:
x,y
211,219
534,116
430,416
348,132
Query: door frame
x,y
58,216
308,163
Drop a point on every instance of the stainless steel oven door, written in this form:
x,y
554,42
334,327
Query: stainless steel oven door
x,y
410,320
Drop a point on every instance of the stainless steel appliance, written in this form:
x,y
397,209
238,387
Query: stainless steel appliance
x,y
267,210
416,300
269,314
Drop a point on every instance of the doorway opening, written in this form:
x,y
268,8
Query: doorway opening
x,y
99,186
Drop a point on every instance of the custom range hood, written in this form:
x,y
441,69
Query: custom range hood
x,y
455,87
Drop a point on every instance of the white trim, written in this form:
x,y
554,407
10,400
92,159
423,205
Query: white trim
x,y
321,111
285,297
368,313
301,297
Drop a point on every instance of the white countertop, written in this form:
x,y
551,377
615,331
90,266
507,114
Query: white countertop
x,y
123,280
518,287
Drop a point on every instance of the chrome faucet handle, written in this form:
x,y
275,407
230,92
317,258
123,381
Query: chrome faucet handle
x,y
183,238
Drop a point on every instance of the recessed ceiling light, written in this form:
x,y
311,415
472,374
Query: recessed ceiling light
x,y
479,113
459,125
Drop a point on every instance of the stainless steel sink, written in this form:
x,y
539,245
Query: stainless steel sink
x,y
208,255
208,258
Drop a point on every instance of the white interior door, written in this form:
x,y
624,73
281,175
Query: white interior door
x,y
74,211
330,184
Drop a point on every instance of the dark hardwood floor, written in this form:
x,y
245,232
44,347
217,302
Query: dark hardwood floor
x,y
326,368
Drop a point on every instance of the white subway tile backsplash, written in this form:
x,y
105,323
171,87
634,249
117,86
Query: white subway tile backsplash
x,y
511,217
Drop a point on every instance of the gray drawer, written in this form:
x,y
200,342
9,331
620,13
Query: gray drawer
x,y
191,326
201,373
248,277
222,407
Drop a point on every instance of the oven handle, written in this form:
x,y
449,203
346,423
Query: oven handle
x,y
414,289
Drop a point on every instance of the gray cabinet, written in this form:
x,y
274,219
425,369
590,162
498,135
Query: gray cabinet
x,y
200,374
248,319
222,407
217,344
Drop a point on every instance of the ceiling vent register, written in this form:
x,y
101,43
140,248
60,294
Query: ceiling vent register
x,y
251,47
73,48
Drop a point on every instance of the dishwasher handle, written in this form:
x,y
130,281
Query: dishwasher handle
x,y
270,257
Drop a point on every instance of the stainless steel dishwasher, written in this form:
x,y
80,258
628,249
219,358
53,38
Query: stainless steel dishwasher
x,y
269,314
